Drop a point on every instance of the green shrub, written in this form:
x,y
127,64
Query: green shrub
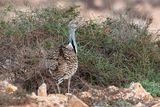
x,y
113,52
152,87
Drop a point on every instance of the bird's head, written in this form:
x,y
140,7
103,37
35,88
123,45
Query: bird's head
x,y
72,26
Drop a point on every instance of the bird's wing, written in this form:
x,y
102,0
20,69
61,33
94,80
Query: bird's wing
x,y
62,68
62,65
51,60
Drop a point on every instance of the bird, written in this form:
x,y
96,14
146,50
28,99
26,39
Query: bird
x,y
66,63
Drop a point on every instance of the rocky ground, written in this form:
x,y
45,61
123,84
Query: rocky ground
x,y
134,96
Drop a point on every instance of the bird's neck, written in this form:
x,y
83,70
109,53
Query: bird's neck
x,y
72,39
71,35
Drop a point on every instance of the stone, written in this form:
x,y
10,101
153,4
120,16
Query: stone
x,y
6,87
52,100
76,102
10,88
139,92
112,89
42,90
58,100
85,94
156,105
134,94
139,105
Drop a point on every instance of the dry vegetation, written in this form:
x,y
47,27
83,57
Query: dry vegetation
x,y
114,52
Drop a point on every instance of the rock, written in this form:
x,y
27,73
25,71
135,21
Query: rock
x,y
76,102
134,94
10,88
85,94
52,100
139,105
58,100
6,87
138,92
42,90
55,100
87,97
156,105
112,89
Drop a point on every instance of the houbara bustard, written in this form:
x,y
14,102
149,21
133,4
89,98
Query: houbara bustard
x,y
66,63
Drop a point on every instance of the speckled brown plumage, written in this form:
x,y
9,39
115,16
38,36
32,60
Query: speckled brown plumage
x,y
62,64
67,63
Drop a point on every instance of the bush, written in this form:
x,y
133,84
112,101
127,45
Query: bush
x,y
113,52
152,87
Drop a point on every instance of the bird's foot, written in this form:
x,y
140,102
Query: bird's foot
x,y
69,95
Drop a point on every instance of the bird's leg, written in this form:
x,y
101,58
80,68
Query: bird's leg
x,y
69,82
59,91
